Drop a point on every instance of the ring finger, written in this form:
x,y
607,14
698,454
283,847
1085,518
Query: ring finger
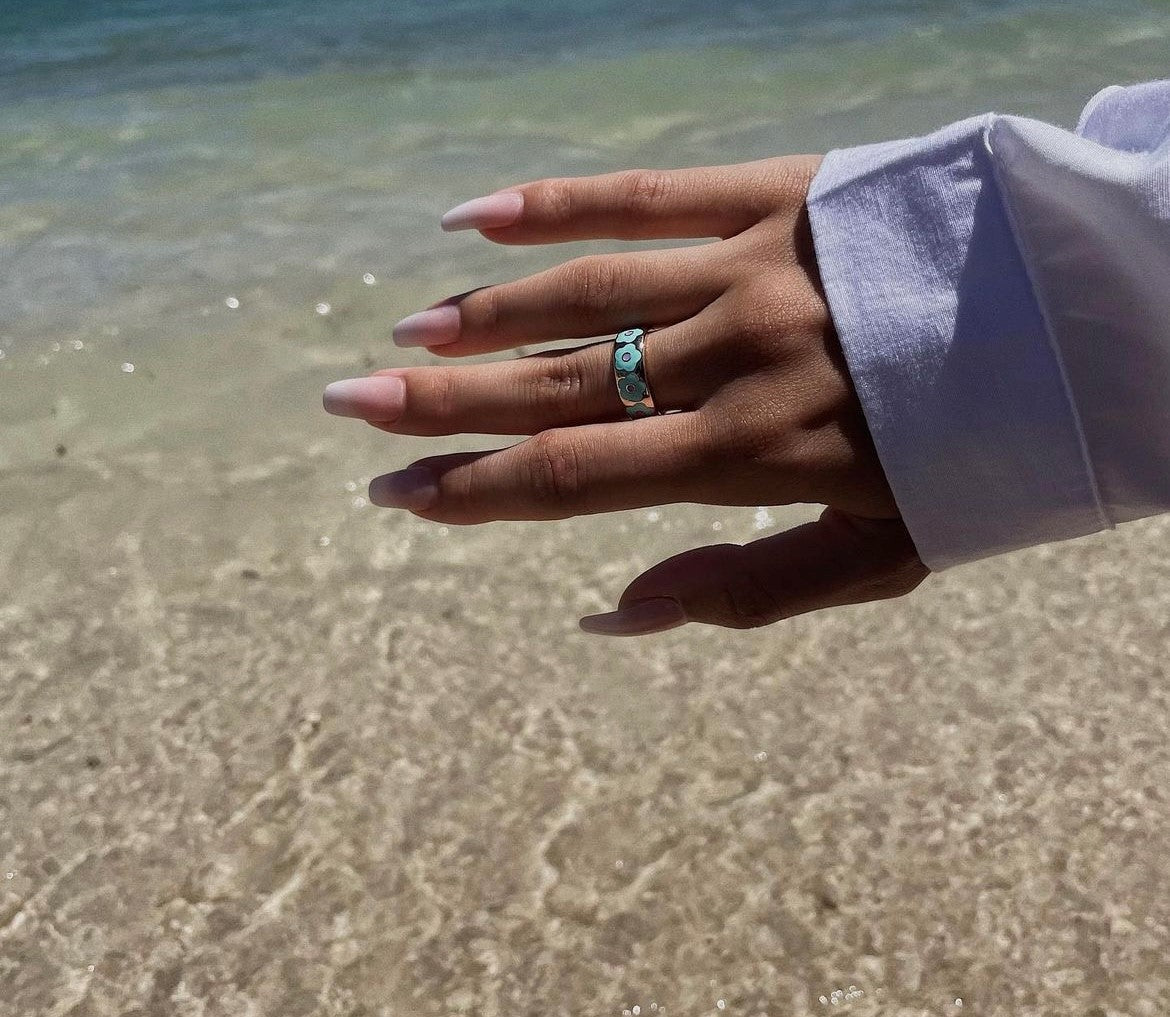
x,y
556,388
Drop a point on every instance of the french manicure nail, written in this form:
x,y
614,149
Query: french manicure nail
x,y
378,398
435,326
413,488
501,209
637,619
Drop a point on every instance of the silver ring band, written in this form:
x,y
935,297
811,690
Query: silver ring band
x,y
629,371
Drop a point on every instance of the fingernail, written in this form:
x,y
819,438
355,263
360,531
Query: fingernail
x,y
432,327
637,619
413,488
493,210
378,398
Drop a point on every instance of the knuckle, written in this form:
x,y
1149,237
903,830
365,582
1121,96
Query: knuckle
x,y
641,190
755,248
891,566
556,473
806,306
593,283
903,578
748,603
557,386
893,580
444,394
742,438
898,568
756,324
553,197
481,311
457,493
761,309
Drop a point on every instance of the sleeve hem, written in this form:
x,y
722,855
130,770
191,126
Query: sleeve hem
x,y
947,347
1091,106
1026,261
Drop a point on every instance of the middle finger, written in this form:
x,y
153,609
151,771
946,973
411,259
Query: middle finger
x,y
584,297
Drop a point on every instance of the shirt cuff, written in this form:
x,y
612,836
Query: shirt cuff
x,y
952,360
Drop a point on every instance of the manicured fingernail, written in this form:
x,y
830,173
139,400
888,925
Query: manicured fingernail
x,y
432,327
378,398
493,210
637,619
413,488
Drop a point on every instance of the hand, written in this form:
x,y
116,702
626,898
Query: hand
x,y
744,349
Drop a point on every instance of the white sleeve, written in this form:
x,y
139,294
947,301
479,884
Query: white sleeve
x,y
1001,288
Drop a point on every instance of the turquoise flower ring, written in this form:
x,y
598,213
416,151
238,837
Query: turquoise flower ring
x,y
632,388
627,357
629,370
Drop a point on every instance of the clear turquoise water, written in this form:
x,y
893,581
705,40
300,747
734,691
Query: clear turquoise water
x,y
171,149
104,46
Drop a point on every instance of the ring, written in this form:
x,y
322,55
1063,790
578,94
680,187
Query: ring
x,y
629,370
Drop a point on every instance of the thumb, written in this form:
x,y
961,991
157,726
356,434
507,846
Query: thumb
x,y
839,559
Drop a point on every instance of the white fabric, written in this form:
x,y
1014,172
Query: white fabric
x,y
1001,288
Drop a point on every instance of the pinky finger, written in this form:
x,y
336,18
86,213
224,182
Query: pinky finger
x,y
839,559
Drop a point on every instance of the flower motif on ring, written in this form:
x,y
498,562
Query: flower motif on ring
x,y
639,410
629,335
631,388
627,357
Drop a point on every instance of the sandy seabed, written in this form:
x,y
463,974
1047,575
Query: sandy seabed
x,y
269,750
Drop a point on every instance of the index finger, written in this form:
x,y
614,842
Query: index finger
x,y
638,204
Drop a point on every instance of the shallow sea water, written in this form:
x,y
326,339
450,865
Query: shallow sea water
x,y
267,749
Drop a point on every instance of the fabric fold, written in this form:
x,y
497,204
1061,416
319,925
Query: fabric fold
x,y
948,348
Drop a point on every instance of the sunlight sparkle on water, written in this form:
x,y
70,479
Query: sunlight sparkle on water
x,y
839,996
